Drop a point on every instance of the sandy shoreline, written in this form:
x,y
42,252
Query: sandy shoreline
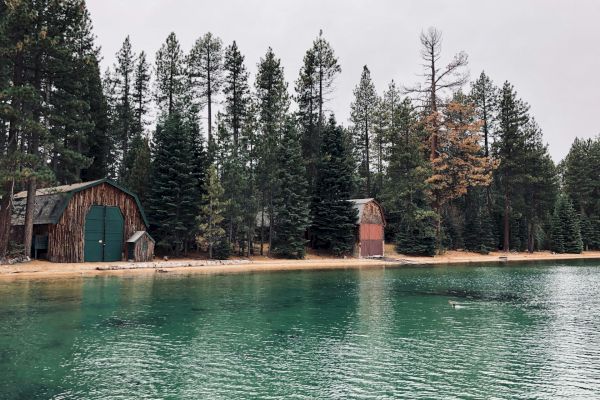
x,y
43,269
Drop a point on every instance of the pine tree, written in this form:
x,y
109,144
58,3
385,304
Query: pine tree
x,y
141,94
291,203
273,103
99,141
418,235
314,87
582,185
173,197
459,164
511,149
362,117
566,233
137,174
557,243
206,70
333,216
479,226
404,191
125,118
381,121
170,83
540,187
210,230
485,96
236,90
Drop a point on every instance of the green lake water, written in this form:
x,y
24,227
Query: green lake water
x,y
524,331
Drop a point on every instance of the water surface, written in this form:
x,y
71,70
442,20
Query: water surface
x,y
523,331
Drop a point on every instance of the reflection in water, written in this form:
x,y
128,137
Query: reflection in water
x,y
516,332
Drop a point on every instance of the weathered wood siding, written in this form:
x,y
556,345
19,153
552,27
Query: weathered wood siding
x,y
143,249
65,239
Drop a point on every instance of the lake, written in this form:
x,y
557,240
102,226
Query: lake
x,y
517,331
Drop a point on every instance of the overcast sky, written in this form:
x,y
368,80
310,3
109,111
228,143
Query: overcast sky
x,y
549,50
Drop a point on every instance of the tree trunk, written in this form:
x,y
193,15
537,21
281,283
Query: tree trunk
x,y
368,169
438,229
434,138
30,207
5,215
209,99
262,223
11,148
530,238
506,245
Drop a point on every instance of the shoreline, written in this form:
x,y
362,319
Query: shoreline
x,y
46,270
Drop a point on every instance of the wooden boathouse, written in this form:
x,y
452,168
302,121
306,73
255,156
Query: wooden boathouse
x,y
85,222
370,230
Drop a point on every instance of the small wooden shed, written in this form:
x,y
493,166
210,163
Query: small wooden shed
x,y
370,231
140,247
83,222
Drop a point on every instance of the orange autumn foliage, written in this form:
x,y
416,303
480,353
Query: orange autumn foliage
x,y
459,163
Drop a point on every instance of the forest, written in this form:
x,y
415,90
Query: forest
x,y
237,165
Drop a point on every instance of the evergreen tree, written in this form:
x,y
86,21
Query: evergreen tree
x,y
99,141
137,174
50,102
291,203
170,83
418,236
206,70
125,118
234,150
566,233
484,96
459,164
582,185
236,90
479,226
557,243
173,197
141,94
541,186
333,216
404,192
210,230
362,118
273,103
314,86
511,148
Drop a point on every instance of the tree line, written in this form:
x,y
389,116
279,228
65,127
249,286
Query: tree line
x,y
455,165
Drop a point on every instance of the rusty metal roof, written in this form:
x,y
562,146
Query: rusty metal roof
x,y
359,205
51,202
59,189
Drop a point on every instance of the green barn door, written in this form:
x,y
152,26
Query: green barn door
x,y
103,232
113,234
94,235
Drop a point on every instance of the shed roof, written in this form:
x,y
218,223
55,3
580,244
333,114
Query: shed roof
x,y
359,205
138,235
50,203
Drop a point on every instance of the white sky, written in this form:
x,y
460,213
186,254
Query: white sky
x,y
549,50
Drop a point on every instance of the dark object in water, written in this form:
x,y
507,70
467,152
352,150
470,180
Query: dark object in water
x,y
162,271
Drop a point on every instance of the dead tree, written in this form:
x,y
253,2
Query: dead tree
x,y
439,80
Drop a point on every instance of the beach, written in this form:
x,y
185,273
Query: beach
x,y
44,269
